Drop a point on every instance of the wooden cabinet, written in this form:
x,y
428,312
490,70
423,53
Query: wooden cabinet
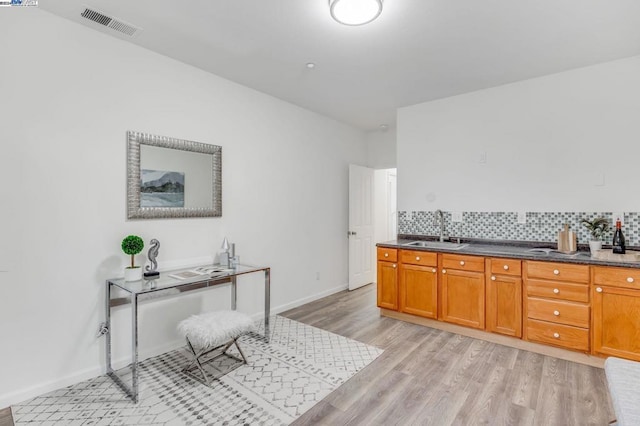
x,y
557,308
616,312
387,278
586,308
418,280
462,290
504,297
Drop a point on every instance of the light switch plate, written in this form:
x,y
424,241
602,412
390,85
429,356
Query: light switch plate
x,y
522,217
615,216
456,216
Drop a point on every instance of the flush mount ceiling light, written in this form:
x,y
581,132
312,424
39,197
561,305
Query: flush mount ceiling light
x,y
355,12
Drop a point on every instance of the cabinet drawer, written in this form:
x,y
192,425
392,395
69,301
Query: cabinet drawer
x,y
463,263
387,254
568,313
558,290
506,267
557,334
617,277
423,258
558,271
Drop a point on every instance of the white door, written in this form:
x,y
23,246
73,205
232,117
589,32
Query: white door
x,y
361,245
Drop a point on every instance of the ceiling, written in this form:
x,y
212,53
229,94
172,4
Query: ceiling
x,y
416,51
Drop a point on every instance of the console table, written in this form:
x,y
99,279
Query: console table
x,y
144,290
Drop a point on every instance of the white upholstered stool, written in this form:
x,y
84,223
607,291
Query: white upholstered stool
x,y
213,331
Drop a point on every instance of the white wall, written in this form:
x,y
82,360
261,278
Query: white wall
x,y
548,141
381,149
384,205
68,95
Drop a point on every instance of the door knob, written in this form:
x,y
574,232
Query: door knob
x,y
493,278
506,267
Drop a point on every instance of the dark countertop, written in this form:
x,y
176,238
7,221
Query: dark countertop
x,y
511,250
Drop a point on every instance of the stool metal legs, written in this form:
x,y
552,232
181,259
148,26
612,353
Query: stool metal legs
x,y
199,363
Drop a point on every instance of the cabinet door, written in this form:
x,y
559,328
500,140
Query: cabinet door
x,y
419,290
462,300
504,305
616,322
388,285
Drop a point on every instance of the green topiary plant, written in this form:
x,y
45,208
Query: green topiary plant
x,y
132,245
596,227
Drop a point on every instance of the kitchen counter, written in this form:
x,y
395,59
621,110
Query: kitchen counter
x,y
512,250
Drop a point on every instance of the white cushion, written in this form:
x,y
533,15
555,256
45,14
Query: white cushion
x,y
215,328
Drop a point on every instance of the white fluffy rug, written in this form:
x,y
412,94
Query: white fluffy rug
x,y
285,377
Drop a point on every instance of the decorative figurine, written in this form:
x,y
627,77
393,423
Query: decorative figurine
x,y
225,259
152,255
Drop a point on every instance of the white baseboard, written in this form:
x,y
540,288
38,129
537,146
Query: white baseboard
x,y
24,394
300,302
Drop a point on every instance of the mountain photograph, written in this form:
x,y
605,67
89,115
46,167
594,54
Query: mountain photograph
x,y
159,188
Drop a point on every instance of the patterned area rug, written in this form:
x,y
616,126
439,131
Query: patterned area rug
x,y
284,378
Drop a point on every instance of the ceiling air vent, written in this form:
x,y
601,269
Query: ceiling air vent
x,y
110,22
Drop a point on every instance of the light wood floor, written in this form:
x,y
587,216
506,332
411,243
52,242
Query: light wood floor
x,y
5,417
432,377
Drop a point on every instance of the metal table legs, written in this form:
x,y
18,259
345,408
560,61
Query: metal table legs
x,y
132,391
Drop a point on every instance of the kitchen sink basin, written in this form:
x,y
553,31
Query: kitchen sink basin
x,y
436,245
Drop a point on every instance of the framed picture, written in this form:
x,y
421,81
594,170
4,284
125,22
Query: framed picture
x,y
159,188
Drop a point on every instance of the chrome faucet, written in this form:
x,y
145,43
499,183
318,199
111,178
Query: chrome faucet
x,y
440,216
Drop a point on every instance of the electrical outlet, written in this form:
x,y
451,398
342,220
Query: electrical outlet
x,y
456,216
522,217
102,329
615,216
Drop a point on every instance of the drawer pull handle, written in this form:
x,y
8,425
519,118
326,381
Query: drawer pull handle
x,y
394,265
556,272
556,291
556,335
444,271
556,313
599,289
493,277
506,267
434,270
629,280
462,263
417,257
386,255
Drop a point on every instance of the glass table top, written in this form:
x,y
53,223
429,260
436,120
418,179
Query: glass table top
x,y
195,274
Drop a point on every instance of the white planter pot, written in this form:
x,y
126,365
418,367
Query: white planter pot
x,y
133,274
595,245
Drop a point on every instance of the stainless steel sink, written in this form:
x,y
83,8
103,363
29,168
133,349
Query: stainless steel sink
x,y
436,245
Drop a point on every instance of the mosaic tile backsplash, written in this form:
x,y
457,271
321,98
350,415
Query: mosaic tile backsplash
x,y
540,226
